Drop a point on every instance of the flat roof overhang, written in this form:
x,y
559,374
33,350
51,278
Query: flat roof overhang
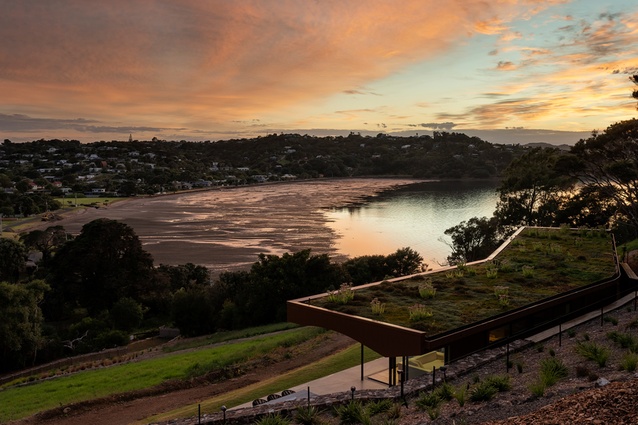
x,y
386,339
396,341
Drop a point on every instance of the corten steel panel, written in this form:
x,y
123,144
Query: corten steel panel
x,y
384,338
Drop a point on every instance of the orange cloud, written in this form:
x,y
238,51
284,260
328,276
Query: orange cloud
x,y
217,60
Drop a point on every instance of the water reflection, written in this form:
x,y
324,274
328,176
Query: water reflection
x,y
415,216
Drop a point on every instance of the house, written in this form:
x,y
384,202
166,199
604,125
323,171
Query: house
x,y
451,343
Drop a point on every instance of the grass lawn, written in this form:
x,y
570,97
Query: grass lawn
x,y
19,402
538,264
337,362
70,201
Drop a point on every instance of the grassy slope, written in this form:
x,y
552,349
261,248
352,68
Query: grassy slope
x,y
337,362
18,402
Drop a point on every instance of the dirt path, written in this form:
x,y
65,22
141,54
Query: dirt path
x,y
120,410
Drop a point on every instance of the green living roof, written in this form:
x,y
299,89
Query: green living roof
x,y
537,264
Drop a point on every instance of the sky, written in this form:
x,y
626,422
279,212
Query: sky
x,y
504,70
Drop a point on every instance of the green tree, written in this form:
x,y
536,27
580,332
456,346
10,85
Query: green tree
x,y
104,263
474,239
191,311
12,259
608,164
46,241
404,261
366,269
533,189
126,314
274,280
20,323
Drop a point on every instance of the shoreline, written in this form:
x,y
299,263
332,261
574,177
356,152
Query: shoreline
x,y
225,229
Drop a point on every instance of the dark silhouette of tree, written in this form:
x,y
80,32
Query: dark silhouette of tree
x,y
533,189
20,323
474,239
12,259
634,79
46,241
104,263
608,164
405,261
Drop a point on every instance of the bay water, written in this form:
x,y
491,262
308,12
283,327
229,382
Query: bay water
x,y
414,216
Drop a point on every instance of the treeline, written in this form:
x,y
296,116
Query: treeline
x,y
93,291
594,184
148,167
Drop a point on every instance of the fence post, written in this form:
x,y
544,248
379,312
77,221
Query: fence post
x,y
560,334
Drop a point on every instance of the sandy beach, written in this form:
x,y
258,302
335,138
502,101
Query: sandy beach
x,y
226,228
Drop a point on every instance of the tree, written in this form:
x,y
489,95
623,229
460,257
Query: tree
x,y
608,164
46,241
634,79
20,323
12,259
404,261
366,269
533,189
474,239
274,280
104,263
126,314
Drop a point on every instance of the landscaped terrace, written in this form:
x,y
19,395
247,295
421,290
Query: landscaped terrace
x,y
537,264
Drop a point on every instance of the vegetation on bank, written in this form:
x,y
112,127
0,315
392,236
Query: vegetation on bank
x,y
537,264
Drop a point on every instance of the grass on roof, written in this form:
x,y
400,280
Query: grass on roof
x,y
539,263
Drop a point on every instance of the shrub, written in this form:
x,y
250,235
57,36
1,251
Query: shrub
x,y
395,411
434,412
582,371
491,273
419,312
528,271
552,370
126,314
428,400
519,367
308,416
633,324
460,395
377,306
624,340
445,391
380,406
571,333
629,362
500,382
273,420
593,351
482,392
353,413
343,295
502,294
611,319
427,290
538,388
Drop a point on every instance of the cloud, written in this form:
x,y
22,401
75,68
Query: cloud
x,y
24,123
446,126
505,66
214,60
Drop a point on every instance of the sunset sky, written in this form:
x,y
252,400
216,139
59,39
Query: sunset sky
x,y
507,71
